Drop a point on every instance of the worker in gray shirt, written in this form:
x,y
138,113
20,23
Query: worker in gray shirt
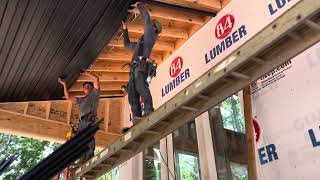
x,y
88,106
142,67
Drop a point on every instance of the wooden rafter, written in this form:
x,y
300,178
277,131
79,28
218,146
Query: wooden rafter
x,y
203,5
159,46
103,86
124,55
161,12
110,93
106,76
104,65
171,32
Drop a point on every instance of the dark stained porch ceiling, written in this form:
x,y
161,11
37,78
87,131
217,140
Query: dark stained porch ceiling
x,y
41,40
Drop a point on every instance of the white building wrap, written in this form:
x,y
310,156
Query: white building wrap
x,y
287,111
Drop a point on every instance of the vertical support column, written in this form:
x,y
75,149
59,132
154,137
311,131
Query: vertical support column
x,y
26,108
125,170
132,169
106,114
252,168
122,113
69,112
48,109
205,146
137,167
164,162
170,154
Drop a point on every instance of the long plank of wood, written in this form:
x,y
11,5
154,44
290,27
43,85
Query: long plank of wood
x,y
212,6
170,14
271,43
252,168
32,127
159,46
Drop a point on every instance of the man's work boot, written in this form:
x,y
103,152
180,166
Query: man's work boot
x,y
147,113
124,130
135,121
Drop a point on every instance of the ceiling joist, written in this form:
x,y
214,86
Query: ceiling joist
x,y
159,46
166,13
124,55
112,93
171,32
103,86
212,6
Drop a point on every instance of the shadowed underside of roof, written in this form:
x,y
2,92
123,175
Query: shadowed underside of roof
x,y
41,40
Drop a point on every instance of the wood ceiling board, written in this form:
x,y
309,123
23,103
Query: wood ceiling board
x,y
42,40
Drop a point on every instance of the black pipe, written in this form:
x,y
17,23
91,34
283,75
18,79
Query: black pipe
x,y
179,8
64,155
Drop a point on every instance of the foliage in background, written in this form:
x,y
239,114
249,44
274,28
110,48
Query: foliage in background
x,y
29,152
189,167
152,169
112,175
232,115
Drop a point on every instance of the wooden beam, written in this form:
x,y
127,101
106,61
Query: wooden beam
x,y
48,109
108,71
160,45
103,86
194,29
106,76
224,3
212,6
109,65
165,13
26,108
102,93
69,112
124,56
26,126
252,167
106,114
122,118
171,32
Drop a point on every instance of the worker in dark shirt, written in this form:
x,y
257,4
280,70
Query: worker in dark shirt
x,y
142,67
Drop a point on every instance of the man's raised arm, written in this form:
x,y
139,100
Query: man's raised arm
x,y
144,13
126,40
65,91
95,78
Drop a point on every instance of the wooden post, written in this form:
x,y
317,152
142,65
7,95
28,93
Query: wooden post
x,y
252,168
106,114
26,108
69,112
122,113
48,109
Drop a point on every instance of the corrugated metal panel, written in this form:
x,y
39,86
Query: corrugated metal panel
x,y
41,40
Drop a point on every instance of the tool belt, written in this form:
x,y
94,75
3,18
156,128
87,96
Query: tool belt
x,y
146,65
89,117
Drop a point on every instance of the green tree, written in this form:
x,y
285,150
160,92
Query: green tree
x,y
189,167
29,152
232,115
